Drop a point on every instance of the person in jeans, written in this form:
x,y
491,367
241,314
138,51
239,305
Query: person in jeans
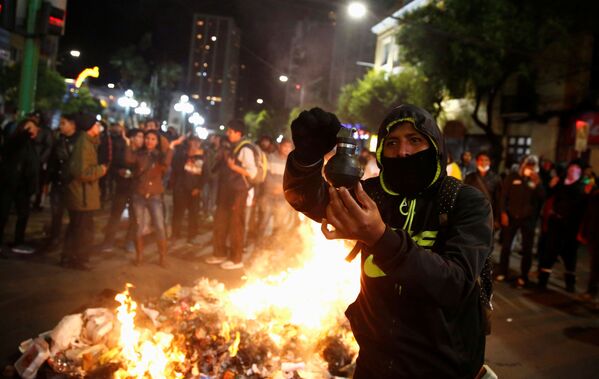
x,y
149,165
82,194
233,188
187,181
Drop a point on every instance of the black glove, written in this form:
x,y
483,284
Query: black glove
x,y
314,134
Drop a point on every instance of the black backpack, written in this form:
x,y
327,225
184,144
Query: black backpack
x,y
448,194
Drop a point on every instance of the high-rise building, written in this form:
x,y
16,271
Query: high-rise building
x,y
213,71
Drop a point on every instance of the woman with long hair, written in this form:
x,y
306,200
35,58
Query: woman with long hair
x,y
149,165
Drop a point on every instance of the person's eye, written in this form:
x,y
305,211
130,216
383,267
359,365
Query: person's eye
x,y
415,140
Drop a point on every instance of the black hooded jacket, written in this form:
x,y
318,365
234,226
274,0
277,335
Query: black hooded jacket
x,y
418,314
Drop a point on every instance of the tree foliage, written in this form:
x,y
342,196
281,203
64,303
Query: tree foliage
x,y
152,79
81,101
50,88
369,99
267,123
472,47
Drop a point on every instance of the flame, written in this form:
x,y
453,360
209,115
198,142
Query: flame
x,y
143,352
311,299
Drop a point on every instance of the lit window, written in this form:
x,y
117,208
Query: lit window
x,y
205,64
200,23
207,47
213,38
198,36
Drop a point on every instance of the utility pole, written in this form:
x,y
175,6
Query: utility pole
x,y
30,60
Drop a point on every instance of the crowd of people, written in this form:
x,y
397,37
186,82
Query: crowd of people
x,y
235,185
554,205
226,181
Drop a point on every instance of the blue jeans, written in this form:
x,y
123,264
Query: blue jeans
x,y
154,205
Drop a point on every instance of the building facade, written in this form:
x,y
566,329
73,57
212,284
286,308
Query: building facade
x,y
213,69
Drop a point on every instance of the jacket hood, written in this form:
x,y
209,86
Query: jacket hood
x,y
425,124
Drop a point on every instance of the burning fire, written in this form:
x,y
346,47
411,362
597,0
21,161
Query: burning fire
x,y
143,352
305,304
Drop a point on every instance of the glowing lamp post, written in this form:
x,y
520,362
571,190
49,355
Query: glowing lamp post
x,y
185,107
356,10
198,121
143,109
127,102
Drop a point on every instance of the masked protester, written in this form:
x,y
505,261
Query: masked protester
x,y
419,312
565,215
486,181
519,207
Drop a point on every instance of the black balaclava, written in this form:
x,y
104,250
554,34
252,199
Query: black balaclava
x,y
410,175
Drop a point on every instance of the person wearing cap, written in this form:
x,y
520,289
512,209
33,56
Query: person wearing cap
x,y
519,207
569,203
232,198
419,313
82,193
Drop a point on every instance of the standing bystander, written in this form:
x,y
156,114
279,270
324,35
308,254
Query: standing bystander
x,y
82,193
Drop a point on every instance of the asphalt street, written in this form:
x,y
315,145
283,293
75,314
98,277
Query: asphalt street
x,y
535,335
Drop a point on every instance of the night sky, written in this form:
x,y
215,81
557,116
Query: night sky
x,y
100,28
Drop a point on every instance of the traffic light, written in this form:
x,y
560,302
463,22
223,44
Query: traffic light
x,y
7,14
50,20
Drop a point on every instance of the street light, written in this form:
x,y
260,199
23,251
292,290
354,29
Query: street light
x,y
356,9
185,107
196,119
197,122
75,53
127,102
283,78
110,85
143,109
259,101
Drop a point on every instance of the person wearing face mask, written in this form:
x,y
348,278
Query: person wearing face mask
x,y
519,207
486,181
418,314
569,203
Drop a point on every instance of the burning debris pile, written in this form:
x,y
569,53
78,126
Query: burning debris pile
x,y
288,325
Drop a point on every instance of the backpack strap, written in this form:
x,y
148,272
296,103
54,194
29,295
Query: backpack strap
x,y
448,195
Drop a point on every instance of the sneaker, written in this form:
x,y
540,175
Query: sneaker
x,y
585,297
520,283
214,260
106,248
230,265
23,249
